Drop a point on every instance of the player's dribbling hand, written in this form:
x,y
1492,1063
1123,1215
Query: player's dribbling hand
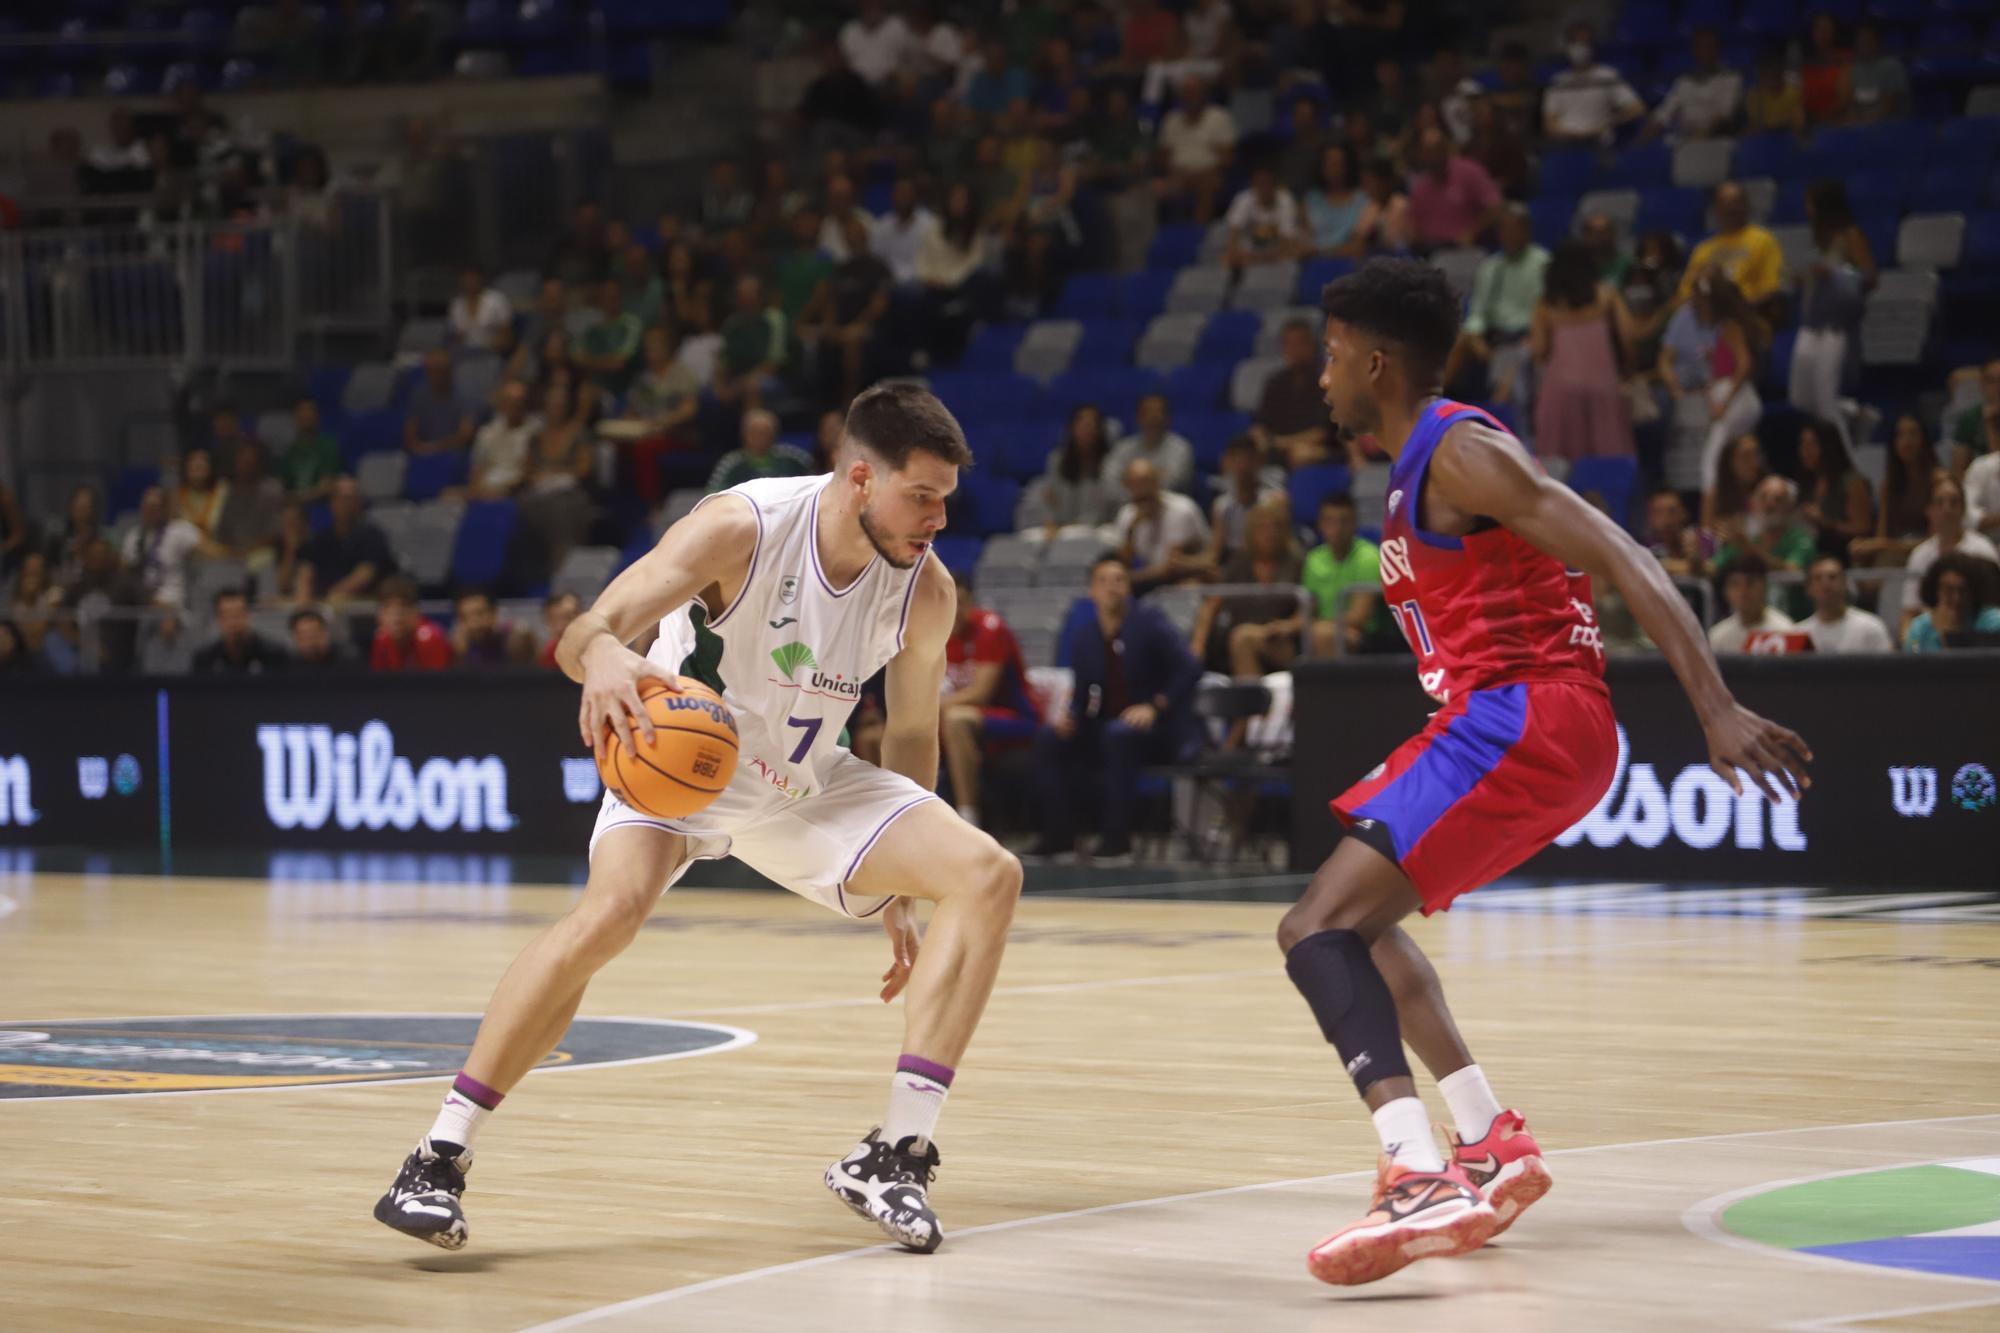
x,y
1774,756
899,921
611,676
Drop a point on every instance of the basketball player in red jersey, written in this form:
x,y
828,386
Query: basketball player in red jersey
x,y
1486,564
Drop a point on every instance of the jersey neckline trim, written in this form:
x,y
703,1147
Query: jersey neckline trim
x,y
812,551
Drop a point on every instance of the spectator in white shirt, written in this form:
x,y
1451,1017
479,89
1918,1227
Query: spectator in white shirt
x,y
1263,222
1153,439
1982,493
1946,512
898,236
1162,534
1589,100
481,317
840,206
937,50
1197,142
1835,626
125,151
1746,589
158,550
1704,102
874,42
500,449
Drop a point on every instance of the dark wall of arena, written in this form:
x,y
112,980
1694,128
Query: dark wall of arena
x,y
1905,749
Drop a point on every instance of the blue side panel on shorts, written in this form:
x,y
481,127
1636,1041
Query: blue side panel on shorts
x,y
1469,748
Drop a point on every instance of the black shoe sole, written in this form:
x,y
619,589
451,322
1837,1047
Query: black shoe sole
x,y
451,1237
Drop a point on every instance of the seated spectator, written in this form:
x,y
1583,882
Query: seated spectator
x,y
1343,622
438,420
841,210
200,496
1836,500
349,557
1824,87
1903,518
1587,102
660,411
1976,430
1452,199
555,508
1646,282
726,202
312,460
157,550
1505,292
760,455
1835,626
1247,634
1392,107
478,639
82,524
1959,595
995,82
754,346
1152,33
549,314
559,610
845,324
839,106
985,682
1045,232
248,528
405,638
1304,154
1982,491
955,266
31,611
1384,227
1771,527
1672,538
1578,326
875,41
608,350
1745,591
1076,491
313,648
898,236
1773,104
1498,147
238,649
1726,504
580,254
1703,103
1263,222
226,434
1743,252
1132,704
935,49
1335,204
1153,439
500,449
1197,144
16,657
801,267
1243,489
480,316
1162,536
1945,514
1291,422
1880,82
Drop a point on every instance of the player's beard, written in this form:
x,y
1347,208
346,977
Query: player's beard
x,y
876,540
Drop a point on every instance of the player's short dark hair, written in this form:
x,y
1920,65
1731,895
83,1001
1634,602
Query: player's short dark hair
x,y
1401,301
305,613
1336,500
397,588
897,418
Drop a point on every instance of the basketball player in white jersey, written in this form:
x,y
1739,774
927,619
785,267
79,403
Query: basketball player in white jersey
x,y
784,595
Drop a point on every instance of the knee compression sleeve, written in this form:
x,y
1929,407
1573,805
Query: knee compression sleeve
x,y
1341,983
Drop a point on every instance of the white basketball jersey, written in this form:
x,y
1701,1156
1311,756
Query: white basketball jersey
x,y
791,653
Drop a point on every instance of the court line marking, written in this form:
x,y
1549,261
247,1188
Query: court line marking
x,y
738,1038
1836,1322
1704,1219
671,1294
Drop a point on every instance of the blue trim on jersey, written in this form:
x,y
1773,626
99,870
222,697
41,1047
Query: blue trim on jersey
x,y
1416,458
1471,746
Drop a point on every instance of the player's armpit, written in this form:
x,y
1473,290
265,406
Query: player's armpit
x,y
1477,470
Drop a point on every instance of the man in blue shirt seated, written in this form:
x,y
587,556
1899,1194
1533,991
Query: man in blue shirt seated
x,y
1135,684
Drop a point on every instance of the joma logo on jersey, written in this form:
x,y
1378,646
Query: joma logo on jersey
x,y
1396,561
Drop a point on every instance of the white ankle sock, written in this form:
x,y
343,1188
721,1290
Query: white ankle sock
x,y
916,1096
1405,1128
1473,1105
460,1116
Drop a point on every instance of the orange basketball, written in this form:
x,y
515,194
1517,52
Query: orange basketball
x,y
690,760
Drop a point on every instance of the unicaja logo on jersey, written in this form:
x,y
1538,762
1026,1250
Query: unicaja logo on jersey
x,y
1699,810
795,657
17,801
313,774
791,657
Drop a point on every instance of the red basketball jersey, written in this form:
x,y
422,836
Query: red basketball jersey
x,y
1487,608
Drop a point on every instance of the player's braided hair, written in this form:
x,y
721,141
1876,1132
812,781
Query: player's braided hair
x,y
1403,302
897,418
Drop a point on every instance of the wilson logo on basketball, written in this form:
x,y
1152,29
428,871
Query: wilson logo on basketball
x,y
313,775
709,708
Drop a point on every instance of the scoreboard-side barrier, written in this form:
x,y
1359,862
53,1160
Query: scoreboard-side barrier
x,y
1906,750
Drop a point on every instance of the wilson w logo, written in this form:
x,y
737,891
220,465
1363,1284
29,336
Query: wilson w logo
x,y
1913,791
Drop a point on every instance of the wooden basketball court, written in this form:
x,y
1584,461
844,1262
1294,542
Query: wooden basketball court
x,y
1147,1134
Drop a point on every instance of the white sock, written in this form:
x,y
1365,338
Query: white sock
x,y
916,1096
1473,1105
458,1120
1405,1128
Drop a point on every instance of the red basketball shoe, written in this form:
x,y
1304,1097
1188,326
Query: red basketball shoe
x,y
1505,1167
1416,1215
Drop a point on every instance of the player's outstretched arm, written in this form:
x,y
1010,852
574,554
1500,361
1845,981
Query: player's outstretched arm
x,y
710,548
1477,470
915,679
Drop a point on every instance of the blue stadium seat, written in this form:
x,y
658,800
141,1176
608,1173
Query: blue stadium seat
x,y
539,22
324,385
1880,228
1106,342
1553,216
1084,295
1707,14
1770,19
1775,373
1613,478
1670,208
1639,167
1982,240
430,474
1946,36
479,552
1855,147
958,553
1229,336
1884,190
362,433
984,504
1315,274
1013,446
1949,189
1115,390
1968,143
1175,246
1313,483
1788,209
980,394
128,488
1141,296
1209,433
1645,23
1568,171
992,348
1774,155
486,23
1199,387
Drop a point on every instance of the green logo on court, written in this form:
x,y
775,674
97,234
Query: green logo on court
x,y
791,657
1939,1218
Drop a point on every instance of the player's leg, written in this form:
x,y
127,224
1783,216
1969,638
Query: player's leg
x,y
531,1008
961,729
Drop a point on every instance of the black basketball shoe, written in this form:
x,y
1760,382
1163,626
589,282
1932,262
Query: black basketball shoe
x,y
424,1200
885,1184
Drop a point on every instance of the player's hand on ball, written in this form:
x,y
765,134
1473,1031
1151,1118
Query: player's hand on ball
x,y
1774,756
899,920
611,676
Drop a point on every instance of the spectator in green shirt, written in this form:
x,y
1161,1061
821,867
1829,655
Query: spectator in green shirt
x,y
754,345
1771,528
796,274
609,348
761,455
1504,293
313,460
1342,558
